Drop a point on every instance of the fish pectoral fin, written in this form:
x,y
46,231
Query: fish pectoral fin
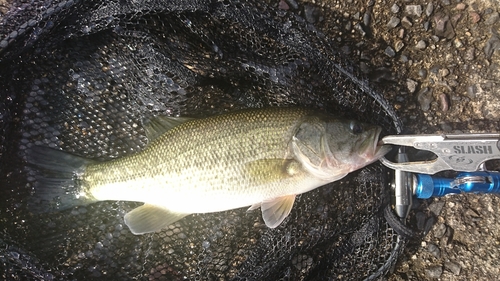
x,y
274,211
158,125
271,170
150,218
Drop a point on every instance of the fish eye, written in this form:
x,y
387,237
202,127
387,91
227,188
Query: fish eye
x,y
355,127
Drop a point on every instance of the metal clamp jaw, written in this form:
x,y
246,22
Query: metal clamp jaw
x,y
457,152
464,153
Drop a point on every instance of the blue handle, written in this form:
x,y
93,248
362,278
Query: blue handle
x,y
427,186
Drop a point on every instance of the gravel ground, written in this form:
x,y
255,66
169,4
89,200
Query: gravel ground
x,y
439,62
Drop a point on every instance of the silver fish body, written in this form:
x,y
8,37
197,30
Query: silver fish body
x,y
257,157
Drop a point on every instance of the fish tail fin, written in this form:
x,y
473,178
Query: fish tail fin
x,y
58,184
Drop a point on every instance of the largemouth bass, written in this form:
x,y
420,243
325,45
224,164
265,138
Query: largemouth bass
x,y
257,157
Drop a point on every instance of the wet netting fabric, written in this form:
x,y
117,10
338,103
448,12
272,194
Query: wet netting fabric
x,y
83,76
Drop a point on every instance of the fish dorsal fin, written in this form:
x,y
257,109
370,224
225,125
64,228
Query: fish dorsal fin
x,y
158,125
274,211
150,218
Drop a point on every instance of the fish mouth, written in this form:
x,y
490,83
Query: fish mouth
x,y
379,149
374,149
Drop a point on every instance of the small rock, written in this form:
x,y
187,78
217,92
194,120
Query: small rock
x,y
455,19
434,250
472,91
413,10
460,6
406,22
447,237
458,43
474,17
390,52
440,21
393,22
443,100
436,207
401,33
443,27
493,18
422,72
429,9
453,267
360,29
439,230
412,85
395,8
492,45
312,14
293,4
446,127
424,97
446,2
348,25
421,45
283,5
420,220
399,45
366,19
434,271
443,72
429,224
426,25
435,69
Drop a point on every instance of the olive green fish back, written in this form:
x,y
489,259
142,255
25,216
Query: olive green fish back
x,y
228,142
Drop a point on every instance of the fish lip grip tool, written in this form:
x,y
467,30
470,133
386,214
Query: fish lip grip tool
x,y
457,152
463,153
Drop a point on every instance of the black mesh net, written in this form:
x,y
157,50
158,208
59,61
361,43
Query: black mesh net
x,y
84,75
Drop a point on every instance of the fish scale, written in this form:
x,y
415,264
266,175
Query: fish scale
x,y
255,157
202,144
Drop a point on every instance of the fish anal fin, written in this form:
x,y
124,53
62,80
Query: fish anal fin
x,y
274,211
150,218
158,125
253,207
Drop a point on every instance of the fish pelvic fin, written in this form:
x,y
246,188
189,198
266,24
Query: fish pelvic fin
x,y
275,210
58,184
150,218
